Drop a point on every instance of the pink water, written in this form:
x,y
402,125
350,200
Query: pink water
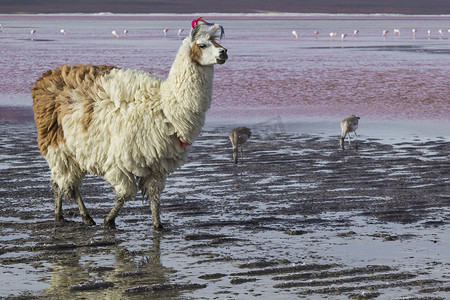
x,y
269,72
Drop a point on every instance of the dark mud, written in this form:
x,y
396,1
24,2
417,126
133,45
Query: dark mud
x,y
296,218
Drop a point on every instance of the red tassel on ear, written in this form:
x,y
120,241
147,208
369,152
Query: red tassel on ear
x,y
195,22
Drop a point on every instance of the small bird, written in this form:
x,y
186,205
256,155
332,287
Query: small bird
x,y
396,32
355,32
125,32
384,33
414,32
32,32
180,31
333,34
63,32
343,36
349,124
165,31
115,33
238,136
294,33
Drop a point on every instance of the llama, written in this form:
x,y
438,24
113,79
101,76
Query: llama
x,y
130,127
238,136
349,124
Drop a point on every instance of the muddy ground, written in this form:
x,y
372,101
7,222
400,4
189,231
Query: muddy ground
x,y
296,218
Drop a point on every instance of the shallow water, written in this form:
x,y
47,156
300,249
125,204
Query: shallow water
x,y
296,218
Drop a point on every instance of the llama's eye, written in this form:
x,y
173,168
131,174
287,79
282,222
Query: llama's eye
x,y
202,46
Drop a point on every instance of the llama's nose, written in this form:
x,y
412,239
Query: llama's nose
x,y
223,53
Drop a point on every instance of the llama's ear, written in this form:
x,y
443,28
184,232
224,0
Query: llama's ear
x,y
208,28
194,31
214,28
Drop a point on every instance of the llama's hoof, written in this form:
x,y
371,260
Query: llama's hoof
x,y
88,220
60,219
109,224
158,227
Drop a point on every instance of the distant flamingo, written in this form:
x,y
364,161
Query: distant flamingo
x,y
343,36
316,32
414,31
115,33
429,34
384,33
180,31
125,32
333,34
397,32
165,31
63,32
355,32
32,32
295,34
440,32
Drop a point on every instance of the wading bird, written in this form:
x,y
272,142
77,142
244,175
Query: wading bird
x,y
238,136
349,124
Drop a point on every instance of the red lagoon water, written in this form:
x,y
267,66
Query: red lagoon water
x,y
269,72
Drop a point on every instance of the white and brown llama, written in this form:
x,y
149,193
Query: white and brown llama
x,y
349,124
131,127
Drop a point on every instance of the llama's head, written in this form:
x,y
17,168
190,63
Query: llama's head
x,y
205,51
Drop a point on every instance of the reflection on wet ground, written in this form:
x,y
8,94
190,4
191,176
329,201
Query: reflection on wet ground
x,y
298,218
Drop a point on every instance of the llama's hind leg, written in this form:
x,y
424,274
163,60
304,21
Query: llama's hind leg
x,y
58,202
356,140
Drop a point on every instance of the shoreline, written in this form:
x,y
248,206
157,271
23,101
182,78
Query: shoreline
x,y
387,130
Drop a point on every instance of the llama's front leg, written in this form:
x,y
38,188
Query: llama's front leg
x,y
125,188
75,194
110,220
153,186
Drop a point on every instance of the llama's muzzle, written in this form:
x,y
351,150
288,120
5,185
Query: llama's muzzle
x,y
223,56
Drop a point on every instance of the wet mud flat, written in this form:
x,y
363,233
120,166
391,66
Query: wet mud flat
x,y
296,218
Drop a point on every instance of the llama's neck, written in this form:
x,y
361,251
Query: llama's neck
x,y
186,95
